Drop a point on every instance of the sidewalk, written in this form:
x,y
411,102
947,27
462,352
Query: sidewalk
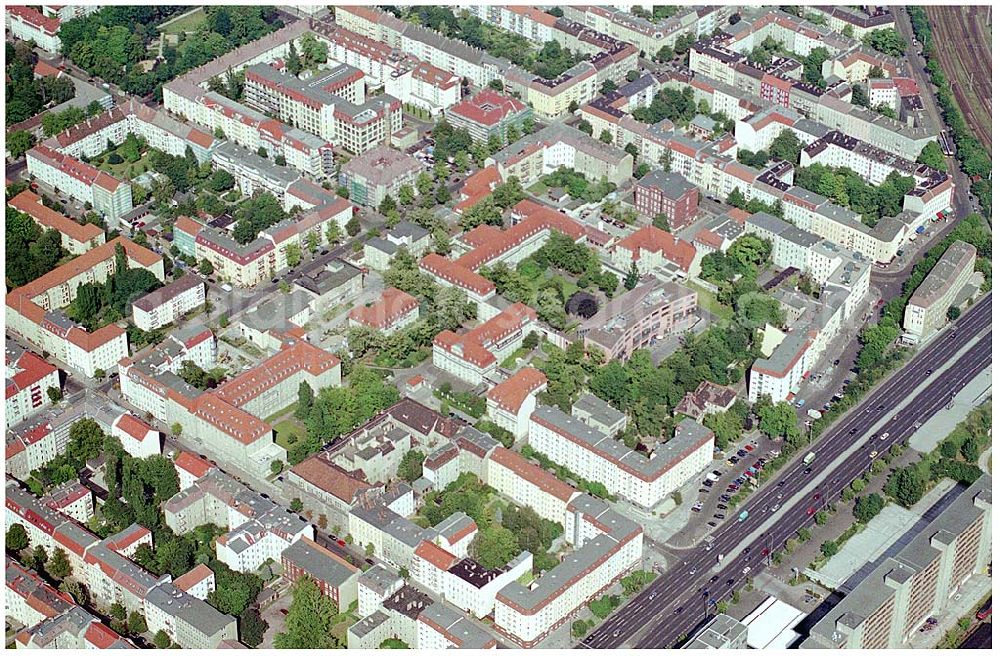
x,y
963,602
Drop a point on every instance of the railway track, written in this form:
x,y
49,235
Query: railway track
x,y
963,52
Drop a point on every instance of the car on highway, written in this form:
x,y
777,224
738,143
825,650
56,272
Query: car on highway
x,y
743,516
774,508
873,454
746,570
715,578
807,471
884,436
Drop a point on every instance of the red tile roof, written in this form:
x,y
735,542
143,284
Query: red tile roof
x,y
43,69
331,478
477,187
655,240
391,306
510,394
187,225
101,636
530,472
198,574
295,356
457,275
133,426
436,555
31,204
30,368
189,462
36,18
475,346
535,218
488,107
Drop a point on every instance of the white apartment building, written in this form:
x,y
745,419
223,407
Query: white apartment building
x,y
29,378
597,456
86,184
476,354
527,484
28,24
462,581
928,307
137,438
169,303
607,545
510,403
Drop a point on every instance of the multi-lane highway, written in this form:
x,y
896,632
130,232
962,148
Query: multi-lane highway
x,y
679,600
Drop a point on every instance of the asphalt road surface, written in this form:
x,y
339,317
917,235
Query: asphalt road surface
x,y
680,600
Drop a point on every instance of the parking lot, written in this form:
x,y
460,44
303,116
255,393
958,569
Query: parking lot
x,y
732,474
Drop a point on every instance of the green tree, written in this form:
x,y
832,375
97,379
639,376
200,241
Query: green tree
x,y
441,194
867,507
606,137
933,156
16,538
54,394
251,627
59,566
411,466
310,618
306,399
293,254
353,226
585,126
333,233
953,313
19,143
117,611
777,419
205,267
829,548
136,623
277,466
162,640
631,278
494,547
296,505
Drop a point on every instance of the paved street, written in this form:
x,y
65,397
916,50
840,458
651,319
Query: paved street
x,y
925,387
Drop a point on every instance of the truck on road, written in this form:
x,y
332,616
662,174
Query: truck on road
x,y
810,457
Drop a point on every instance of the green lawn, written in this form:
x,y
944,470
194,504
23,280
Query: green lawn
x,y
511,360
707,300
282,413
539,188
288,432
126,170
187,23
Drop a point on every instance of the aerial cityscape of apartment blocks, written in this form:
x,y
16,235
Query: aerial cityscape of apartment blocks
x,y
490,327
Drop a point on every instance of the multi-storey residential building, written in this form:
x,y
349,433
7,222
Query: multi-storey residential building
x,y
928,307
137,438
476,354
28,380
654,250
635,320
406,614
462,581
559,145
668,194
330,105
106,568
862,20
169,303
886,608
489,113
527,484
595,455
29,24
606,546
404,236
392,311
83,182
34,310
378,173
76,238
229,416
510,403
777,374
336,578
